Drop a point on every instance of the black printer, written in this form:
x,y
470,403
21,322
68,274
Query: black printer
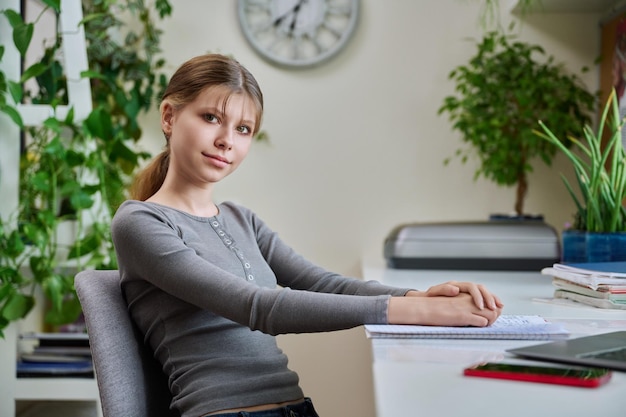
x,y
501,244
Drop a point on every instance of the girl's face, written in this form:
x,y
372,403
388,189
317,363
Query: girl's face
x,y
209,138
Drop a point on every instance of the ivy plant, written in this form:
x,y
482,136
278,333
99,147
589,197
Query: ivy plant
x,y
500,95
70,170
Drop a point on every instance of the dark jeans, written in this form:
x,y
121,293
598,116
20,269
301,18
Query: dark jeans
x,y
303,409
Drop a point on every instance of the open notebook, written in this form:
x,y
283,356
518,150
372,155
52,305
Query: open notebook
x,y
506,327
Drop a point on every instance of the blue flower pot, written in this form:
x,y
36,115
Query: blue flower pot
x,y
580,246
574,246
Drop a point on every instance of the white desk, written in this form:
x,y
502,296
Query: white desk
x,y
424,377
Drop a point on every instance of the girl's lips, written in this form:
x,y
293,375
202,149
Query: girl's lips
x,y
217,158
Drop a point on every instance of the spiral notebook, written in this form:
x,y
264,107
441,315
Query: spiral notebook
x,y
517,327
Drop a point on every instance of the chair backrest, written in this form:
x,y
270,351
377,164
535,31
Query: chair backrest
x,y
130,380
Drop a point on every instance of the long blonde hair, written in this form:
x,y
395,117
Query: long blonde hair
x,y
191,78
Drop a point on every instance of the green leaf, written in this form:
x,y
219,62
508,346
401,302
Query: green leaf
x,y
14,18
41,181
7,288
93,16
99,124
74,158
120,151
55,147
54,4
81,200
54,288
69,118
33,71
16,91
53,124
22,35
40,268
15,245
13,114
84,246
67,312
92,74
164,8
17,306
133,106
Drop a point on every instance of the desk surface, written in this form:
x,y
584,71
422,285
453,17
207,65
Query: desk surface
x,y
424,377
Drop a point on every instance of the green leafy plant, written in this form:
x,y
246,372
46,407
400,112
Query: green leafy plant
x,y
600,168
75,173
500,94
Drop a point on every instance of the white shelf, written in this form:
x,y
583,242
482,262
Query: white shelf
x,y
78,396
58,389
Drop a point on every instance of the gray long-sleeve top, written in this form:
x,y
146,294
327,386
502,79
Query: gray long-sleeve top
x,y
210,293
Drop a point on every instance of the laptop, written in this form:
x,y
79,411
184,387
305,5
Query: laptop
x,y
607,350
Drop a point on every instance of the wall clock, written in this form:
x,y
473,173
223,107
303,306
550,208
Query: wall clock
x,y
298,33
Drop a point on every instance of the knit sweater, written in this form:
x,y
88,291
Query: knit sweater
x,y
209,294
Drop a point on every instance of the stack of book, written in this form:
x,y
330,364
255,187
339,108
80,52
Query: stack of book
x,y
601,285
55,355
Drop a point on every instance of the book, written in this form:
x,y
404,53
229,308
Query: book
x,y
68,339
601,284
589,277
590,300
53,358
55,369
518,327
62,350
607,269
616,294
55,354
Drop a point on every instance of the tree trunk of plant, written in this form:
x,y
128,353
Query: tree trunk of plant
x,y
522,187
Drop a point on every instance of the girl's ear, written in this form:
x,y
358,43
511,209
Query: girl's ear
x,y
167,117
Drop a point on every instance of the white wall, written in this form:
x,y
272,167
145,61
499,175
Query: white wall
x,y
357,148
9,132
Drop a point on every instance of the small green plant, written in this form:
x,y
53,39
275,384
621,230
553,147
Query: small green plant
x,y
500,94
75,172
600,168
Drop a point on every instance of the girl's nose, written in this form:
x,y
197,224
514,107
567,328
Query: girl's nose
x,y
224,139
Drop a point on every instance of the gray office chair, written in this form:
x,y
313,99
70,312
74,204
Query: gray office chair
x,y
130,380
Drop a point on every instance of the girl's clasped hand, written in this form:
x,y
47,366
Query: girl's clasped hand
x,y
449,304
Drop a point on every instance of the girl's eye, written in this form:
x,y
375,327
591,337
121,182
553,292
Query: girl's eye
x,y
244,129
211,118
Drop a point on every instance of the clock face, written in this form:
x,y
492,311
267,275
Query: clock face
x,y
298,33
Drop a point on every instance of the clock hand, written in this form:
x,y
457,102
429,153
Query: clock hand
x,y
294,10
294,20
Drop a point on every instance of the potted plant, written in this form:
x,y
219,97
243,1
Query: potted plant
x,y
499,96
598,233
70,170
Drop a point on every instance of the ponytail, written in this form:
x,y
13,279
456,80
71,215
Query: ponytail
x,y
149,180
